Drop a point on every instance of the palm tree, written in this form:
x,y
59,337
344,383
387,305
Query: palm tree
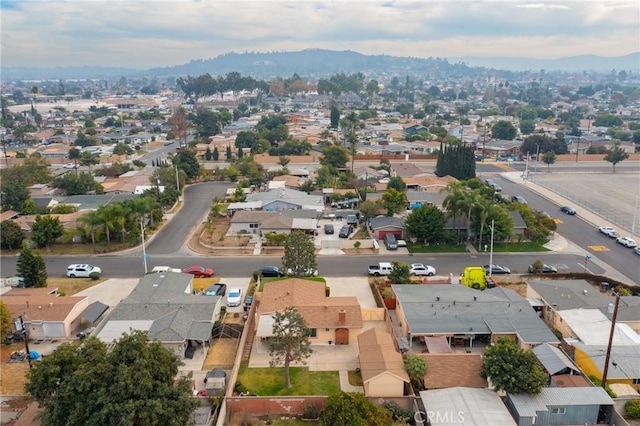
x,y
75,154
452,202
468,201
92,221
486,209
107,219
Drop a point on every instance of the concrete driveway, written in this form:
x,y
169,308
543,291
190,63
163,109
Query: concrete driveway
x,y
324,357
352,286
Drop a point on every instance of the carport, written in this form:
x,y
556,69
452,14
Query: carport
x,y
93,312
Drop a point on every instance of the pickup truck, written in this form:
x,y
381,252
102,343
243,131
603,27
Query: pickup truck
x,y
382,268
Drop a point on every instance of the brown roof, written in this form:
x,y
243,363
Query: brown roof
x,y
570,381
289,181
405,170
451,370
429,183
8,214
68,220
277,221
378,355
38,304
437,345
311,301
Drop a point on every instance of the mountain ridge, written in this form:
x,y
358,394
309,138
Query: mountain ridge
x,y
315,62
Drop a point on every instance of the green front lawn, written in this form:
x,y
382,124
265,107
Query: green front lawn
x,y
436,248
524,247
270,381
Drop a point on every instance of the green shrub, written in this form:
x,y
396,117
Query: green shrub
x,y
357,245
239,387
94,276
632,408
139,164
256,275
607,388
310,412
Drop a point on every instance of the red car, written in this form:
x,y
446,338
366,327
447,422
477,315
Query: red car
x,y
198,271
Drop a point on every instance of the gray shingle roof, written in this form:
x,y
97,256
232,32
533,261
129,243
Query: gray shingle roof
x,y
386,222
298,198
569,294
447,309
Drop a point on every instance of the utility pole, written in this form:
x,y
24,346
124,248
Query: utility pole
x,y
491,252
578,149
144,251
613,329
25,335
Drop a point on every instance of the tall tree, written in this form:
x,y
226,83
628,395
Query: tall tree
x,y
92,221
416,367
299,254
216,154
504,130
290,341
616,155
132,383
426,223
335,156
31,267
14,194
74,154
394,201
512,369
106,215
397,183
180,125
354,409
186,161
45,230
334,116
5,321
11,235
549,158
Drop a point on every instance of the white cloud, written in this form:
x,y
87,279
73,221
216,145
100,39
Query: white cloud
x,y
148,33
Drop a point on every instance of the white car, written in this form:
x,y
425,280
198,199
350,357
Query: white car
x,y
70,166
606,230
627,242
161,269
82,270
234,297
421,269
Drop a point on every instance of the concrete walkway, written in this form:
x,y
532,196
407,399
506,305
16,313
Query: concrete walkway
x,y
345,386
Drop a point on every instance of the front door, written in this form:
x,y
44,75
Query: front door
x,y
342,336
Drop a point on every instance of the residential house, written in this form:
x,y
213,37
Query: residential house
x,y
562,406
415,129
464,406
430,183
165,306
286,199
287,181
501,148
410,170
261,222
382,225
466,316
8,214
46,315
381,365
68,220
333,320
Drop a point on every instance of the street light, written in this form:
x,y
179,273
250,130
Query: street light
x,y
535,170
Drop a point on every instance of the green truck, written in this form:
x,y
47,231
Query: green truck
x,y
476,277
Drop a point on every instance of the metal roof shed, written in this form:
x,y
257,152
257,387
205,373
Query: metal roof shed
x,y
553,359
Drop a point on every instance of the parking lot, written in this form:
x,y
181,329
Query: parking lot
x,y
614,197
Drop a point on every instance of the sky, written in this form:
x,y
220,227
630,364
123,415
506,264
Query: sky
x,y
153,33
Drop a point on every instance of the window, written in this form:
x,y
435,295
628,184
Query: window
x,y
558,410
313,332
254,225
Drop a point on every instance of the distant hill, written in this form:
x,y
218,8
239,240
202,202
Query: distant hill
x,y
573,63
315,63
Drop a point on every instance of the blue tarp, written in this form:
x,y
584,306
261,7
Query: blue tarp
x,y
34,355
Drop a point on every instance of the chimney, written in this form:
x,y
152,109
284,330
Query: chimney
x,y
342,317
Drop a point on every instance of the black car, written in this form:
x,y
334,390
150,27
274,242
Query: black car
x,y
328,228
216,290
345,231
271,271
568,210
497,269
546,269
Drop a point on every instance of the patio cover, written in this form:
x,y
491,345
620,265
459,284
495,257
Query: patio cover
x,y
94,311
438,345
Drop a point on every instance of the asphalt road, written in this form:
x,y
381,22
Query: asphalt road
x,y
578,231
331,266
197,199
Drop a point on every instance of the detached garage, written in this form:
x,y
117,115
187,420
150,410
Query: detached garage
x,y
380,226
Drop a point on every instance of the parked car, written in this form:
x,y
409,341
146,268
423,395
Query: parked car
x,y
627,242
345,231
489,182
234,298
219,289
497,270
421,269
162,269
352,220
247,302
402,243
614,234
636,250
70,166
82,270
198,271
606,230
497,187
390,241
568,210
518,199
329,229
271,271
546,269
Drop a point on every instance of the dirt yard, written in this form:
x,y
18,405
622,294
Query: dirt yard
x,y
13,377
217,236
